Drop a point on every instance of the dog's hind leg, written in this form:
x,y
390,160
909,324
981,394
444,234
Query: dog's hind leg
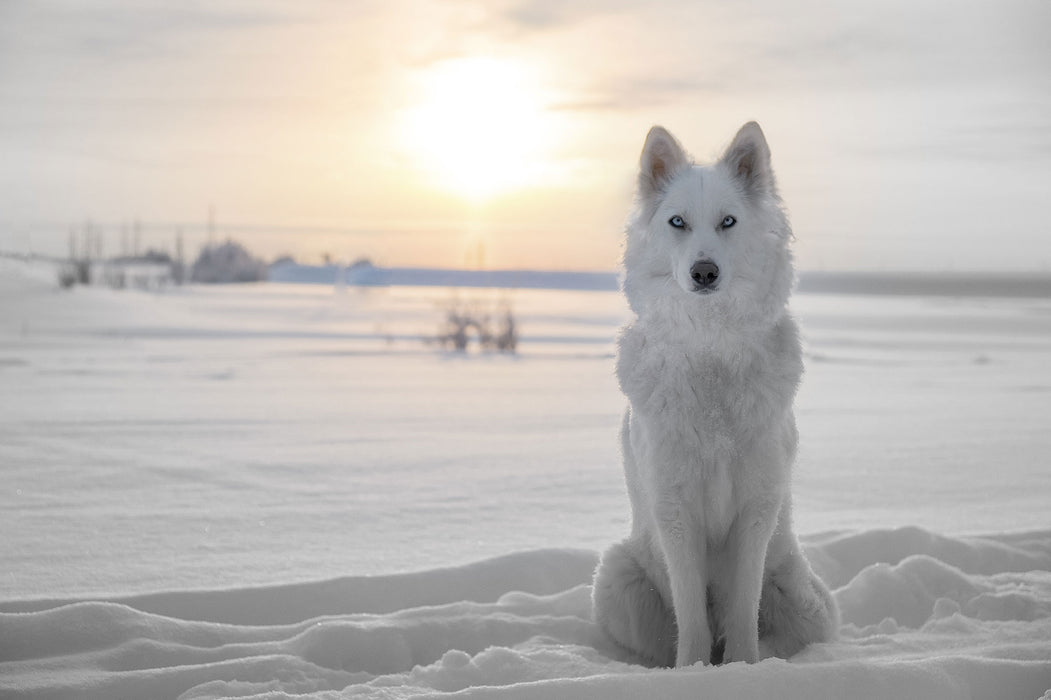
x,y
796,608
629,607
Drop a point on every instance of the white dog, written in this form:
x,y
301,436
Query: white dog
x,y
710,366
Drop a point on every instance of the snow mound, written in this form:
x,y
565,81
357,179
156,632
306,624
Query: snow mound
x,y
923,616
840,557
540,572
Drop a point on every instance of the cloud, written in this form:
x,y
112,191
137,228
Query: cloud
x,y
642,93
525,16
70,69
650,53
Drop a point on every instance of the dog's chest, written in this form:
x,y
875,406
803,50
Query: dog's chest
x,y
707,410
741,387
707,429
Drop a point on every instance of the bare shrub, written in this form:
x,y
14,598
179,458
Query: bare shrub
x,y
67,275
466,319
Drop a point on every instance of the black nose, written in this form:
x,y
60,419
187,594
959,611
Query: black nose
x,y
705,274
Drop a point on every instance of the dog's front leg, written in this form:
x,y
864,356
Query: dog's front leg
x,y
749,538
685,550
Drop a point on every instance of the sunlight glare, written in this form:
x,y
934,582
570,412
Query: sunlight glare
x,y
479,127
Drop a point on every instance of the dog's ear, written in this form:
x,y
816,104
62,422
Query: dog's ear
x,y
662,158
748,160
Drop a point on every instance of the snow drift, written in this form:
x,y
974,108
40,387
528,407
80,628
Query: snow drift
x,y
923,616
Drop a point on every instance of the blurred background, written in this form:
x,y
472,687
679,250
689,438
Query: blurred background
x,y
906,135
435,194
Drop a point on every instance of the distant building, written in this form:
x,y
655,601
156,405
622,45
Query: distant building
x,y
227,262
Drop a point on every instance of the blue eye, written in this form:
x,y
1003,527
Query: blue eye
x,y
677,221
728,221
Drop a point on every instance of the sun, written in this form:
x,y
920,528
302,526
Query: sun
x,y
479,127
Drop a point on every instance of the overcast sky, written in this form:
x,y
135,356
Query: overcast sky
x,y
908,134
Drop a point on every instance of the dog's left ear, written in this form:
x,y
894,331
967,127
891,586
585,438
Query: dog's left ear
x,y
748,159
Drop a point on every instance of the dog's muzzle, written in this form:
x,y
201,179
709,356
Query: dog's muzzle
x,y
705,275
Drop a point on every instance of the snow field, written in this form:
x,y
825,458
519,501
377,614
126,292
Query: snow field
x,y
519,626
209,492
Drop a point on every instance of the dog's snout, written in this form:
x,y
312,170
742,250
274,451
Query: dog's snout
x,y
705,274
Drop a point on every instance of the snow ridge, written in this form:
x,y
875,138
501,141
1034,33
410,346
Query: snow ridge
x,y
924,615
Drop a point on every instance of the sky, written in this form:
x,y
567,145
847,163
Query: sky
x,y
906,135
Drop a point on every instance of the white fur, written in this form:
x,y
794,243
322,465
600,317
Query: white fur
x,y
712,564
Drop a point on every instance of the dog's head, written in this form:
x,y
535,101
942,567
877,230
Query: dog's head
x,y
713,235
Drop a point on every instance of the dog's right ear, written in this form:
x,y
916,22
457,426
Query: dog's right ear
x,y
662,158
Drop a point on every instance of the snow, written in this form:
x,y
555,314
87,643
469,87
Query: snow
x,y
518,626
281,490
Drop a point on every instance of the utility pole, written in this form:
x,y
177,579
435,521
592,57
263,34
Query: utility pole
x,y
136,232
